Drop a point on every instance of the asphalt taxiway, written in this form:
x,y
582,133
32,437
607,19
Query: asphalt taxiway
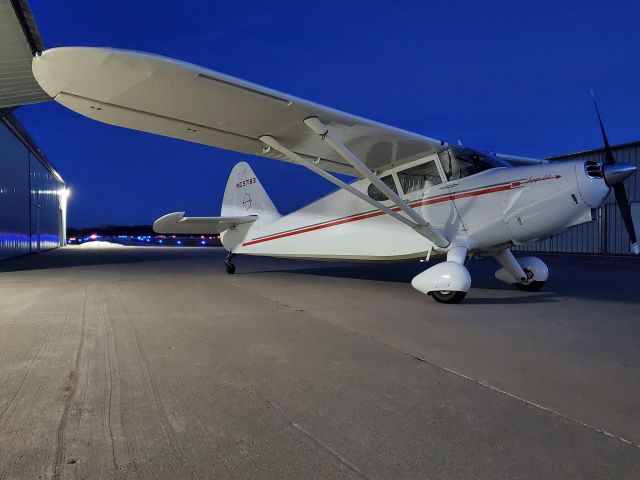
x,y
152,362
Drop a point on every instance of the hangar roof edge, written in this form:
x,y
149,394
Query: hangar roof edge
x,y
28,24
19,41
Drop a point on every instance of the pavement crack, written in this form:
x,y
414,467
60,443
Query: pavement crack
x,y
326,447
281,412
471,379
415,357
168,431
24,378
274,300
109,386
486,385
529,402
73,377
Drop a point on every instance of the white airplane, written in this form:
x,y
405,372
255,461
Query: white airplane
x,y
415,197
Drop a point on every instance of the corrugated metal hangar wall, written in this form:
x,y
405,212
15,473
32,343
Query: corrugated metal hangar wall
x,y
606,235
32,196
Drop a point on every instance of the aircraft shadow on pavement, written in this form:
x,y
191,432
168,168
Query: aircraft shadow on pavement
x,y
571,278
394,273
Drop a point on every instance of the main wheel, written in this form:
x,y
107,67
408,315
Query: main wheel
x,y
231,268
529,287
448,296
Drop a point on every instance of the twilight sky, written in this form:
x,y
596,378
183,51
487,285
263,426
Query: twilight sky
x,y
510,76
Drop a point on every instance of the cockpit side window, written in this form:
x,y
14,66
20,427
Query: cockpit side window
x,y
459,162
376,194
419,177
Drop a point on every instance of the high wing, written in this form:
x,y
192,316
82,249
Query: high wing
x,y
177,223
176,99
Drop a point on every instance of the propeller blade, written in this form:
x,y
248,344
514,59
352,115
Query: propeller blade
x,y
614,175
625,211
608,154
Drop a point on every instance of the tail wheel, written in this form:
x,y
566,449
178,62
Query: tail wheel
x,y
448,296
231,268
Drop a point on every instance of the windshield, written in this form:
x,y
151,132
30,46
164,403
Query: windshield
x,y
460,162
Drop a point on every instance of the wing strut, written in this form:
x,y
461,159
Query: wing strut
x,y
419,224
294,157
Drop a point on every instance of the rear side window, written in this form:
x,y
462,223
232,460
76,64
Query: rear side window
x,y
419,177
376,194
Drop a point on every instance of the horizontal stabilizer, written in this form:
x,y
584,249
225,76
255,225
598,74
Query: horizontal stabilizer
x,y
179,224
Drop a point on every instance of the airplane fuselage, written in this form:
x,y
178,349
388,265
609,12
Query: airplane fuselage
x,y
487,211
416,196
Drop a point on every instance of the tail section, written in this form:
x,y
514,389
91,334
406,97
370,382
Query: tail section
x,y
244,196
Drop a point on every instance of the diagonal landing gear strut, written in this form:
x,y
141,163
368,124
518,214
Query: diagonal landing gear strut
x,y
231,268
528,274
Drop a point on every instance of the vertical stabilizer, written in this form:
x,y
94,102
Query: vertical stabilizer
x,y
244,195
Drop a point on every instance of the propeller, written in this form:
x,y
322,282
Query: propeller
x,y
614,174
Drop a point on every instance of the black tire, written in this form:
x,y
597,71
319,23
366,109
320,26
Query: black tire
x,y
448,296
529,287
231,268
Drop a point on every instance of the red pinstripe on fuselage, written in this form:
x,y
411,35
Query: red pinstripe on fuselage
x,y
510,185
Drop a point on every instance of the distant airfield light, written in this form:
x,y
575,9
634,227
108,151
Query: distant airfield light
x,y
94,236
179,242
203,242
